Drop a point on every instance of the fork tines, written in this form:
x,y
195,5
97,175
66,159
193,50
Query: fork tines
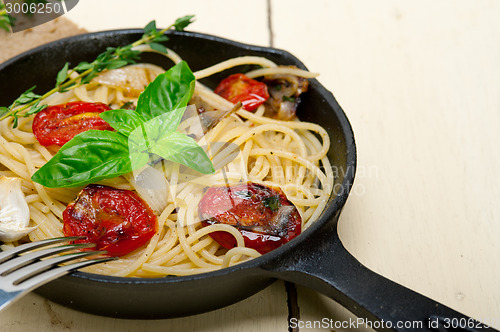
x,y
33,264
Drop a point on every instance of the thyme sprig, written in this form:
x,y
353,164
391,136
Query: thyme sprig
x,y
6,21
28,102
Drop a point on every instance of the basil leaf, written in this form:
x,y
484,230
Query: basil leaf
x,y
169,91
184,150
89,157
138,145
142,134
148,134
123,121
165,123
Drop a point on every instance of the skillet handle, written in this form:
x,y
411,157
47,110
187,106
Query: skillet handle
x,y
323,264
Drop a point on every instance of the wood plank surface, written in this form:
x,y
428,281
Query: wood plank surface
x,y
420,83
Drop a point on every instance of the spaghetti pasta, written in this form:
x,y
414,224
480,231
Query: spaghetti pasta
x,y
290,155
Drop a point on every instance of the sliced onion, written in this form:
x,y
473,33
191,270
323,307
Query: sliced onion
x,y
131,79
152,186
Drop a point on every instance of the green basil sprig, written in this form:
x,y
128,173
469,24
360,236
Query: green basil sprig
x,y
142,135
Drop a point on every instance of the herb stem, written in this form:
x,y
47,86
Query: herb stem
x,y
152,36
47,94
122,55
144,40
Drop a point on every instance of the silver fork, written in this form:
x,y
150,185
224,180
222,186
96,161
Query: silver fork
x,y
24,268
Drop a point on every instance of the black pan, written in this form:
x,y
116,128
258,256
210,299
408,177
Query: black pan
x,y
315,259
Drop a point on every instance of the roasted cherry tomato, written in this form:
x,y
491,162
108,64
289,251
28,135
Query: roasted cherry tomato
x,y
263,215
58,124
239,87
116,220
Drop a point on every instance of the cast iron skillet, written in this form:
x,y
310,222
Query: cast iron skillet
x,y
316,258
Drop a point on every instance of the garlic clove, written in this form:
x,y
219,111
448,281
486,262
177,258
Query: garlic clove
x,y
14,235
14,211
152,186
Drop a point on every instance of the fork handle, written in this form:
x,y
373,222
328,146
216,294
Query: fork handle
x,y
7,298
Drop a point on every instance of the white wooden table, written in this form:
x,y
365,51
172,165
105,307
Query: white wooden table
x,y
420,83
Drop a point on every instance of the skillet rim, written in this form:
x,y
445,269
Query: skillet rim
x,y
333,208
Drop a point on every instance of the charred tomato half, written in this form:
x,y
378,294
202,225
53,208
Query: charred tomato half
x,y
263,215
